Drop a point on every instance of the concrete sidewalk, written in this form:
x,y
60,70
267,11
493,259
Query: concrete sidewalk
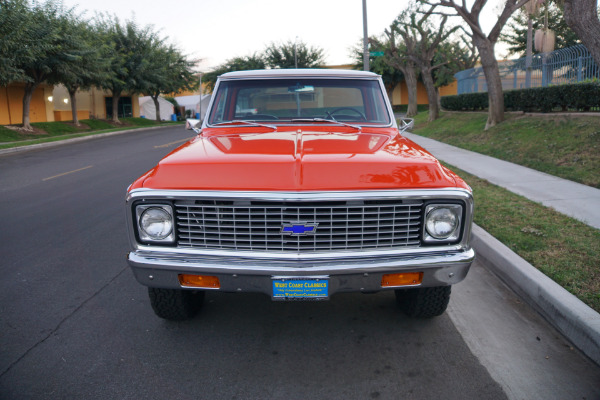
x,y
579,323
573,199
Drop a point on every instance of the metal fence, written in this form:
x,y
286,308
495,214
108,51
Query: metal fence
x,y
569,65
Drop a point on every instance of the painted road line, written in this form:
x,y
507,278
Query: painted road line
x,y
67,173
172,143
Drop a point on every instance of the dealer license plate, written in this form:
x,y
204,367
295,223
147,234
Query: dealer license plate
x,y
300,289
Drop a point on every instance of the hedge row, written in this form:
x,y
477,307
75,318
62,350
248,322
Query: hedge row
x,y
404,107
579,96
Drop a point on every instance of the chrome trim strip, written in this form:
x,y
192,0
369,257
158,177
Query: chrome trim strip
x,y
402,286
200,287
308,125
303,72
293,257
381,194
208,265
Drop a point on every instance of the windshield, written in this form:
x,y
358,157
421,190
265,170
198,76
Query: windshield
x,y
356,101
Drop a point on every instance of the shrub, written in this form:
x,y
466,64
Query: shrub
x,y
404,107
579,96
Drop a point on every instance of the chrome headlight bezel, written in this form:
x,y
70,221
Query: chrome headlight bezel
x,y
448,213
142,210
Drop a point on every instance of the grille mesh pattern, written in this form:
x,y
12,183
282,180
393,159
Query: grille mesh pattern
x,y
257,225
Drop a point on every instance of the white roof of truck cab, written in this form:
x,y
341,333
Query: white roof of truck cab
x,y
306,73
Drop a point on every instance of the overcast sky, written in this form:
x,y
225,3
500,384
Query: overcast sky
x,y
216,30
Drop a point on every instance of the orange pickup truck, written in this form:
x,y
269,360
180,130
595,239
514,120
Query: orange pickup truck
x,y
299,185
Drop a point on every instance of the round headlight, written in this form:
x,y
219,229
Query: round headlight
x,y
156,223
442,222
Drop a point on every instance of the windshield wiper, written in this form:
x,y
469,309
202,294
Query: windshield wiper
x,y
333,121
243,121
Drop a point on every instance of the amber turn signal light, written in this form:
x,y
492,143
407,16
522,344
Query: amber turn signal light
x,y
199,281
405,279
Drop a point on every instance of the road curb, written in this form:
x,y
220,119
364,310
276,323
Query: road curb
x,y
579,323
38,146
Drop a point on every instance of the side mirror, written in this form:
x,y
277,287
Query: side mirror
x,y
193,124
406,124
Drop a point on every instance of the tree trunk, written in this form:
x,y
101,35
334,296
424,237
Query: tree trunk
x,y
410,76
582,17
494,83
157,106
432,98
28,93
390,92
115,108
74,105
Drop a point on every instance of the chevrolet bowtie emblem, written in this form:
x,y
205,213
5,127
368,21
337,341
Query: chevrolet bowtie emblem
x,y
298,229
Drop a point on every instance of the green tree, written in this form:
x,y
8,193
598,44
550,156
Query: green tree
x,y
48,46
284,55
15,43
390,76
293,55
453,55
254,61
88,64
171,72
131,49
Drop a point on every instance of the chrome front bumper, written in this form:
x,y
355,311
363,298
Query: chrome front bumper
x,y
238,274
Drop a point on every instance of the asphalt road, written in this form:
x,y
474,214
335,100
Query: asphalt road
x,y
74,323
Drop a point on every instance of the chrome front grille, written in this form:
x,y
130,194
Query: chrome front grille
x,y
352,225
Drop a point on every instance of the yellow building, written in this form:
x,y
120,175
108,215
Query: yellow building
x,y
400,93
11,104
52,103
93,103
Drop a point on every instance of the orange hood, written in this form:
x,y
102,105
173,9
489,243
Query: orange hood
x,y
298,159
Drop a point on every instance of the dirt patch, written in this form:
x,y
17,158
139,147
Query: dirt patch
x,y
23,131
121,123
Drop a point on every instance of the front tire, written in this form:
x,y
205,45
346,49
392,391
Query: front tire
x,y
175,304
424,302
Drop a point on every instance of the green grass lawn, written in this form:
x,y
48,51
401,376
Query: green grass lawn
x,y
564,146
55,131
97,124
8,135
58,128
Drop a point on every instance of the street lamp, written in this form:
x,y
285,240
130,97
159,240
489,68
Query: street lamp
x,y
365,37
296,52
